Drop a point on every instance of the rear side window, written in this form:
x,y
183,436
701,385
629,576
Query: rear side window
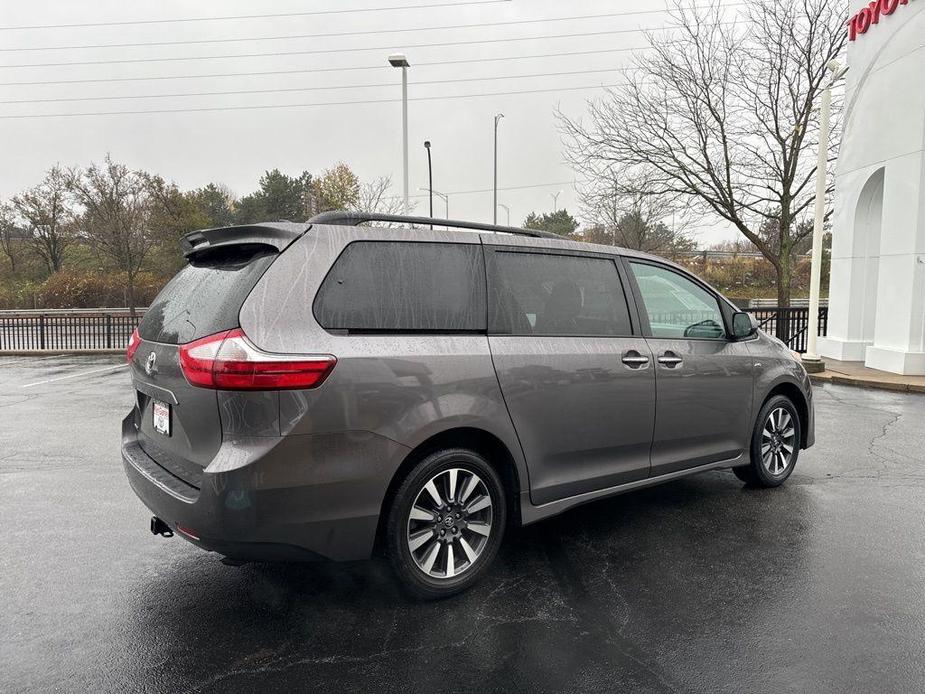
x,y
392,286
205,297
545,294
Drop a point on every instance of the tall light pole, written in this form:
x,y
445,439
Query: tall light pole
x,y
399,60
494,206
555,200
507,210
811,359
430,181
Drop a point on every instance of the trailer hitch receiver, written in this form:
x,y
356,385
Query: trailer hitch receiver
x,y
159,527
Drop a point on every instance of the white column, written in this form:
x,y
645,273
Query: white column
x,y
815,269
899,334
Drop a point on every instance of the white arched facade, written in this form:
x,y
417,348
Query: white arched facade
x,y
877,289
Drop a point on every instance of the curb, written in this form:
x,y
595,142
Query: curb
x,y
57,352
837,379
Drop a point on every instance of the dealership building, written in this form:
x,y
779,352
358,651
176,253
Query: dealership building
x,y
877,290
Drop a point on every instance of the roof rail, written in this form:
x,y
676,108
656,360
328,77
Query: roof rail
x,y
344,218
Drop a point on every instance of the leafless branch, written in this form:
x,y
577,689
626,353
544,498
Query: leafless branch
x,y
721,113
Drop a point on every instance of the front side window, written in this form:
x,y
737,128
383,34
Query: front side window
x,y
677,306
546,294
399,286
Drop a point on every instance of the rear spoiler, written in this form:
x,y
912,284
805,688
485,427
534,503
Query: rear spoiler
x,y
277,235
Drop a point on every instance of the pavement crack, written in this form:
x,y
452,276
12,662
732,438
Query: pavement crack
x,y
594,615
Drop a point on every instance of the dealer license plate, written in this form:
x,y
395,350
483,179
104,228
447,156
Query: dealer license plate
x,y
162,417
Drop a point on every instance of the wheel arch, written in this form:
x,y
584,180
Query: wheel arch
x,y
471,438
795,394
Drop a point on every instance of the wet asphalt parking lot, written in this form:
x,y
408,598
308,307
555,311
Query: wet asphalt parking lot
x,y
699,585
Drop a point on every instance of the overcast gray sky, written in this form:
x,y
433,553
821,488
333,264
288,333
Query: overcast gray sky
x,y
235,146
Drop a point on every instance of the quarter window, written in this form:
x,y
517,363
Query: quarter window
x,y
392,286
547,294
677,306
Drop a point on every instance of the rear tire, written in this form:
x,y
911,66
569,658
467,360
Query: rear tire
x,y
775,444
445,523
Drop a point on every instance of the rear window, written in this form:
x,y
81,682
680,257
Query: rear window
x,y
389,286
206,296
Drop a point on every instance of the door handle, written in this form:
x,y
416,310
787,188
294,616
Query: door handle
x,y
669,359
634,359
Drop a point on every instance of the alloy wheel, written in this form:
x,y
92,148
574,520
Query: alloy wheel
x,y
778,441
449,523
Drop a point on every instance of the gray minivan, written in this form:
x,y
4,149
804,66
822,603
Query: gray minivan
x,y
324,389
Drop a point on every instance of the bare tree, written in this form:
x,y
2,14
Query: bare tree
x,y
375,196
9,235
720,111
116,206
47,212
623,216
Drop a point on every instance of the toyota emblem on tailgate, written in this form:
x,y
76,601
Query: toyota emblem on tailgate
x,y
151,364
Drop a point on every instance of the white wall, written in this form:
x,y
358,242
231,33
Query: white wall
x,y
877,291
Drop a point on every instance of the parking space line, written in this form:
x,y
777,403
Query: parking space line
x,y
82,373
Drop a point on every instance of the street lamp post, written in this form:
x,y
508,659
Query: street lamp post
x,y
494,207
430,181
507,210
399,60
555,200
811,360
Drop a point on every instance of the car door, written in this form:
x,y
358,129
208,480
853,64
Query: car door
x,y
578,383
704,379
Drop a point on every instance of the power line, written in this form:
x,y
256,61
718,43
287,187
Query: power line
x,y
300,71
314,36
274,54
281,106
488,190
476,25
254,16
311,89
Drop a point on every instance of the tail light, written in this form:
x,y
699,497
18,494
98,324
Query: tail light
x,y
228,361
133,343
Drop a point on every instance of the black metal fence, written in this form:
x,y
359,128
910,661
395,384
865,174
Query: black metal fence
x,y
790,324
66,329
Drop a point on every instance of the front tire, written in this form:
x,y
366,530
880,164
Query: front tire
x,y
445,523
775,444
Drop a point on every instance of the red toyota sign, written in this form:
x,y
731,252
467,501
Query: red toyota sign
x,y
870,15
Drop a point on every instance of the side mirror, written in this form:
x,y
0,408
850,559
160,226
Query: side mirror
x,y
743,325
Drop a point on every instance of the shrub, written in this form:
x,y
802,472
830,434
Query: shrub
x,y
68,289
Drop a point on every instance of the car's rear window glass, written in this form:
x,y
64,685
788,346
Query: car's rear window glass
x,y
205,297
390,286
546,294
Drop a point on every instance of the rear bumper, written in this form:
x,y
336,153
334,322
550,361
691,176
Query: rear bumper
x,y
269,498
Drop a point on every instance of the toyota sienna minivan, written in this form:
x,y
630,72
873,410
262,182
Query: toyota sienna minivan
x,y
329,389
